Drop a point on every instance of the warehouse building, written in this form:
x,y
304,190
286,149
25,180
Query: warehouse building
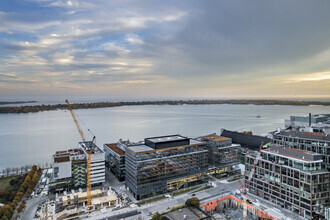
x,y
224,156
295,179
163,164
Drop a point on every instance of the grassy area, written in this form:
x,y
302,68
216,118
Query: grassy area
x,y
184,191
151,200
4,183
204,188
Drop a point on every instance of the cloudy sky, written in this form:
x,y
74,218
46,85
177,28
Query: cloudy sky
x,y
162,49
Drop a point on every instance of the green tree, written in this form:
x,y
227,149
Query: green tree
x,y
156,216
193,202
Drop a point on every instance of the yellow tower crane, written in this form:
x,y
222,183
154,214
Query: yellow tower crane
x,y
88,185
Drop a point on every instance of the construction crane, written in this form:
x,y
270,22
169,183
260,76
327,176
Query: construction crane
x,y
247,184
88,185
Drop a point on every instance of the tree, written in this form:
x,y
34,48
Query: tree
x,y
21,207
193,202
156,216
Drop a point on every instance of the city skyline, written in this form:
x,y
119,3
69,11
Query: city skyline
x,y
157,49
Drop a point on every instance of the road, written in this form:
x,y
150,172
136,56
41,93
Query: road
x,y
31,207
166,204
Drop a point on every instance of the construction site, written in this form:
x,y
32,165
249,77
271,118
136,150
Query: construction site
x,y
78,204
75,204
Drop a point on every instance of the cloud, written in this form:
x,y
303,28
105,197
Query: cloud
x,y
186,47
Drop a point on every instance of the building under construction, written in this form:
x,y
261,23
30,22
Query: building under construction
x,y
74,205
223,155
70,167
163,164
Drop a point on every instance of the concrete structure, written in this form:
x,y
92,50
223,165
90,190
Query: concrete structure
x,y
295,179
223,155
163,164
115,160
308,141
319,123
73,205
69,167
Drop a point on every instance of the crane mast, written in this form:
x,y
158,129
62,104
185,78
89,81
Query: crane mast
x,y
247,184
88,176
75,121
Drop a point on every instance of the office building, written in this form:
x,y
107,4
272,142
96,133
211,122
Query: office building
x,y
163,164
115,160
223,155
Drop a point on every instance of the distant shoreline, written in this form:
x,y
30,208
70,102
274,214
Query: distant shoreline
x,y
16,102
40,108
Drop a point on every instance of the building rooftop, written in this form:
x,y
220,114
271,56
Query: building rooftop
x,y
305,135
183,213
140,148
307,156
168,138
115,149
64,156
89,145
216,138
252,142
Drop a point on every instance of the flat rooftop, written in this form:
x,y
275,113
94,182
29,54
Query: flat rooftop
x,y
216,138
139,148
294,153
115,149
168,138
64,156
183,213
89,145
305,135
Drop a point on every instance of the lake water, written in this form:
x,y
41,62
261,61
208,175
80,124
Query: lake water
x,y
32,138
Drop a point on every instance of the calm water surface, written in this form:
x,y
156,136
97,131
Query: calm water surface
x,y
32,138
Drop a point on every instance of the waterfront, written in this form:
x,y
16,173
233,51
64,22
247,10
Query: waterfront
x,y
32,138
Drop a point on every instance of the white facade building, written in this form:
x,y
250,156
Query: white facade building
x,y
97,161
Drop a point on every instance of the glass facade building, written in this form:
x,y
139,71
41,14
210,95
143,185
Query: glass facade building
x,y
164,164
115,160
223,155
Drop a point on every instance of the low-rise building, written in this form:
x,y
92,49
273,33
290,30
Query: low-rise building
x,y
295,179
223,155
249,141
163,164
115,160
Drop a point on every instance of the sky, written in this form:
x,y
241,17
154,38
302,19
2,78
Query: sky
x,y
165,49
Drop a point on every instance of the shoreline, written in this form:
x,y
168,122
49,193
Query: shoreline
x,y
40,108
